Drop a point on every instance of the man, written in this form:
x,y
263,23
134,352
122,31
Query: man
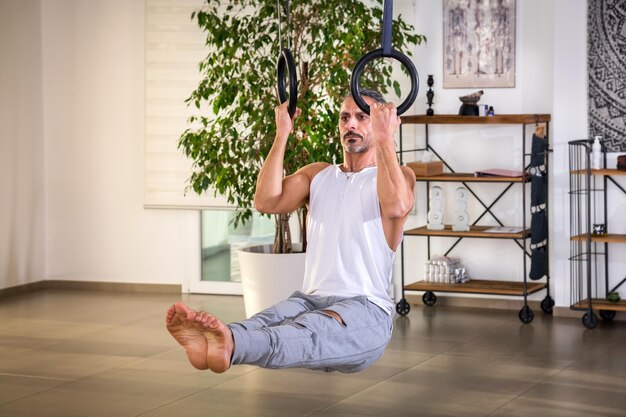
x,y
342,319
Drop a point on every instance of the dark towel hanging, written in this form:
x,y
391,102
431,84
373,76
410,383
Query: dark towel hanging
x,y
538,227
538,191
538,263
538,151
538,202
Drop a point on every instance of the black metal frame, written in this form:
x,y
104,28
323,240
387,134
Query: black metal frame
x,y
526,314
584,255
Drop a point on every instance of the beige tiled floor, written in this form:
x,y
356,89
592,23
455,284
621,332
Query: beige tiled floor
x,y
79,353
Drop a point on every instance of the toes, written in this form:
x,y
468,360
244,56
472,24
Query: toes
x,y
170,316
207,320
183,310
202,316
188,316
213,323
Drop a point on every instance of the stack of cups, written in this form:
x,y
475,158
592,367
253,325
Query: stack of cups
x,y
445,270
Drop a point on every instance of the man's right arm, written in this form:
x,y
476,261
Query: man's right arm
x,y
275,194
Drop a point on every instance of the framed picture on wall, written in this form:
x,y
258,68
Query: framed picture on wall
x,y
478,43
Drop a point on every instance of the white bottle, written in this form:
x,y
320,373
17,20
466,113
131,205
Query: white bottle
x,y
596,153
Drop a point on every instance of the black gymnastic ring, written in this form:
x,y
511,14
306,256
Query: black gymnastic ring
x,y
285,61
355,90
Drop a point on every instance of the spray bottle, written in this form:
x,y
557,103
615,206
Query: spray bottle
x,y
596,153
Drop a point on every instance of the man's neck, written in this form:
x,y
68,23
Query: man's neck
x,y
357,163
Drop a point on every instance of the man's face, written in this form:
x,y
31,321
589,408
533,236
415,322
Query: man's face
x,y
355,128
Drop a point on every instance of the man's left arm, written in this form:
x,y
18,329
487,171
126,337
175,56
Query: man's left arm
x,y
395,184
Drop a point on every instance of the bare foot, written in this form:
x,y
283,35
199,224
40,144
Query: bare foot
x,y
207,341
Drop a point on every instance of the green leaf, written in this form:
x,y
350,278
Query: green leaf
x,y
238,86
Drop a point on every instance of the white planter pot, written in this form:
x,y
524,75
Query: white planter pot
x,y
267,277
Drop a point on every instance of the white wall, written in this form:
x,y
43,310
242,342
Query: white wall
x,y
98,230
21,144
92,63
570,122
550,78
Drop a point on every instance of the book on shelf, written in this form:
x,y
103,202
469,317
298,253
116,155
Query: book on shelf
x,y
497,172
503,229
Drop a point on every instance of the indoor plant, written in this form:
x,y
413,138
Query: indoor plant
x,y
234,128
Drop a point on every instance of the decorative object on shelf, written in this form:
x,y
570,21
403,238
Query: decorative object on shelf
x,y
445,270
435,214
613,297
426,169
461,216
621,162
427,166
430,94
470,104
479,43
490,111
599,229
596,153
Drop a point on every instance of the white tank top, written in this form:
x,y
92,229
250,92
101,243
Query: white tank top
x,y
347,253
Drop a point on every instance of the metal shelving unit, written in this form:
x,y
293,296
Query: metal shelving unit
x,y
589,253
513,287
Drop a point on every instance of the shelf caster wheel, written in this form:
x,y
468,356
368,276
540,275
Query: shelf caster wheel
x,y
403,307
590,320
429,298
607,315
547,304
526,315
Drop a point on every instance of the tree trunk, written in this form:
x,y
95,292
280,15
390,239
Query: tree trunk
x,y
302,218
282,237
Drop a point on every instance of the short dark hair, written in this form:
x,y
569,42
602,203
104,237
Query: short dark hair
x,y
373,94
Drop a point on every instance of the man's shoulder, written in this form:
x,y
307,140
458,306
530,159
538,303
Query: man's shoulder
x,y
315,168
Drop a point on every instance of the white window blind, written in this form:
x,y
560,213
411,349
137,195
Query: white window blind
x,y
174,47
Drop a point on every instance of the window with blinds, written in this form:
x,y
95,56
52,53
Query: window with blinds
x,y
174,47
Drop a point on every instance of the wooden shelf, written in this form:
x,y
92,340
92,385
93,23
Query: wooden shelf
x,y
478,286
500,119
600,304
468,177
602,172
475,231
607,238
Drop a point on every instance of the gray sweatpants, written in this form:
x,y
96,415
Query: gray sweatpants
x,y
294,333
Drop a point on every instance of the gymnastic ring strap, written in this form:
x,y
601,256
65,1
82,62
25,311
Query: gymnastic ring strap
x,y
286,62
387,26
355,90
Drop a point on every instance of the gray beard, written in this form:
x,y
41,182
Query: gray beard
x,y
355,147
